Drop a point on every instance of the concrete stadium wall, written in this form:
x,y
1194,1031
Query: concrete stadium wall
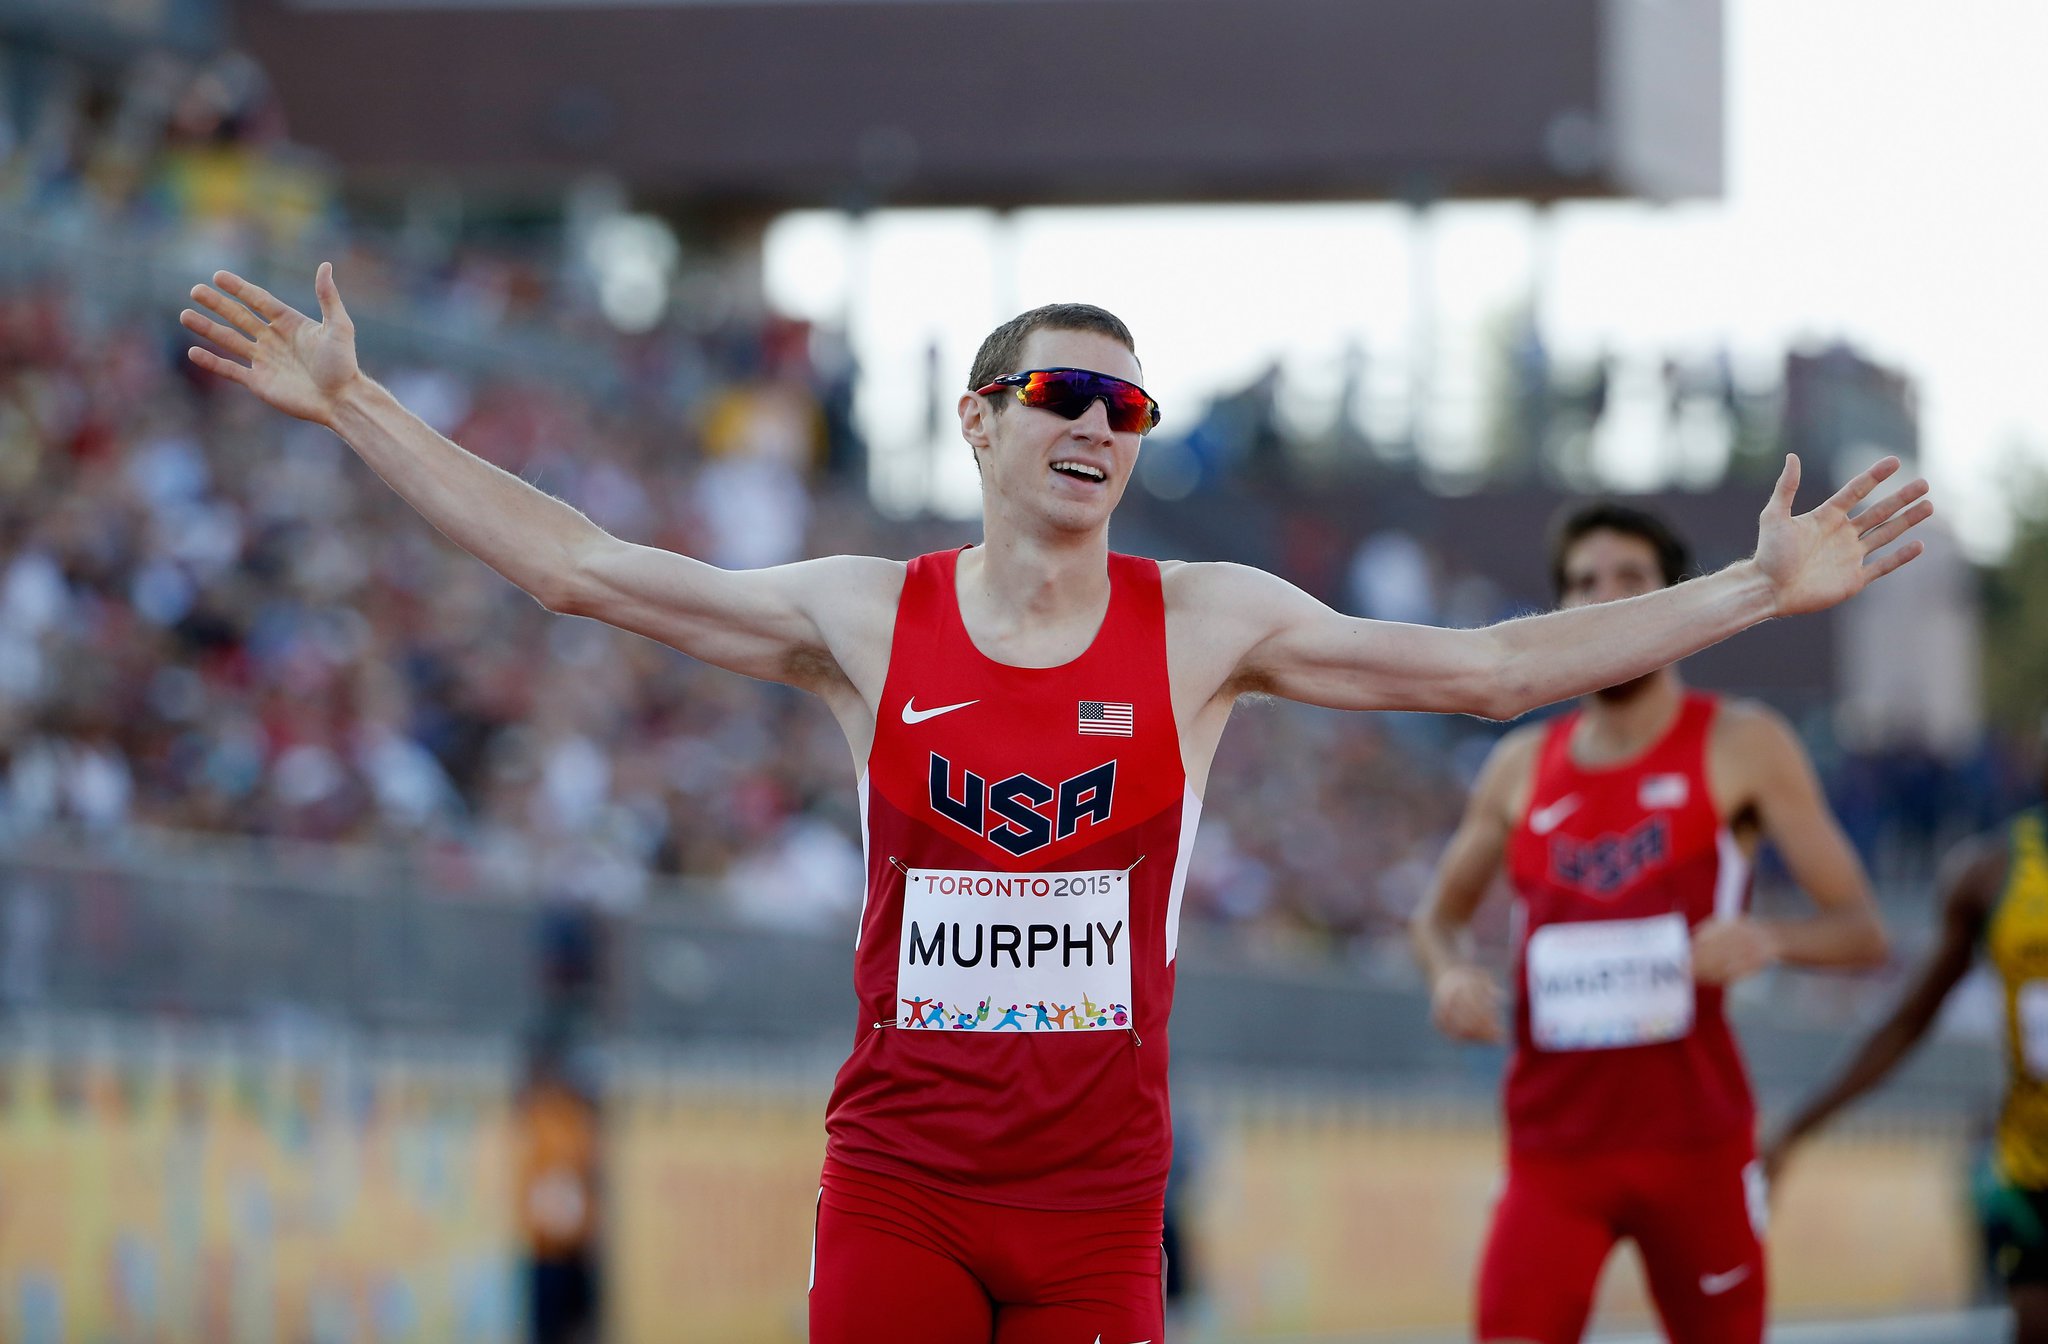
x,y
1353,1217
180,1186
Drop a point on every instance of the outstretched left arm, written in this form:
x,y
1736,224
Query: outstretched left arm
x,y
1297,648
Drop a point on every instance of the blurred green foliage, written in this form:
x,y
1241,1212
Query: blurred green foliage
x,y
2016,611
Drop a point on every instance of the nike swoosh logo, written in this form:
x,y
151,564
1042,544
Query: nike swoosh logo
x,y
1713,1285
1544,820
912,714
1098,1338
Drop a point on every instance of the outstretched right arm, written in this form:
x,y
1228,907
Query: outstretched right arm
x,y
769,623
1971,885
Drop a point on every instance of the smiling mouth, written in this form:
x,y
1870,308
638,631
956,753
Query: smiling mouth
x,y
1081,471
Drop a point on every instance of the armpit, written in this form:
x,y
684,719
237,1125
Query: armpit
x,y
810,666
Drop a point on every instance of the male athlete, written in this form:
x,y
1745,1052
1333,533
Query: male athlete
x,y
1627,828
1995,898
1031,721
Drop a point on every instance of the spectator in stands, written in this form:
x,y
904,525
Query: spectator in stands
x,y
560,1207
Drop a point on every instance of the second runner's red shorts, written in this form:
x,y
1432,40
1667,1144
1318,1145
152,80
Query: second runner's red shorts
x,y
1696,1216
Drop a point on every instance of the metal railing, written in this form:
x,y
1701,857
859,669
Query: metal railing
x,y
356,939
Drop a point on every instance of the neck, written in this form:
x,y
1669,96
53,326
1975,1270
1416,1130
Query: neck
x,y
1037,577
1625,719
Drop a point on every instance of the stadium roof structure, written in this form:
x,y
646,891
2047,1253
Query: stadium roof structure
x,y
849,103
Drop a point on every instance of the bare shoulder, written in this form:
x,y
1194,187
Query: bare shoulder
x,y
1745,716
1755,756
1217,614
1230,606
1517,748
852,599
1752,729
863,580
1219,588
1505,778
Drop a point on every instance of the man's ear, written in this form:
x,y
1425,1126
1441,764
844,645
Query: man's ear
x,y
976,420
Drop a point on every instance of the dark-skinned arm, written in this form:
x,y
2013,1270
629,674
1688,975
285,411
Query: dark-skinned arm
x,y
1968,890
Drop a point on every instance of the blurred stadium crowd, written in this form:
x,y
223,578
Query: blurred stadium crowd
x,y
214,621
219,633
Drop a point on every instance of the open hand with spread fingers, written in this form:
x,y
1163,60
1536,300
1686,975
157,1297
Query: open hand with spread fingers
x,y
1817,559
291,362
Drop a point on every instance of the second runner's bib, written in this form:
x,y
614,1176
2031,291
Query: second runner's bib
x,y
1606,983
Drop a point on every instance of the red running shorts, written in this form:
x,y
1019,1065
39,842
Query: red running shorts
x,y
894,1262
1697,1218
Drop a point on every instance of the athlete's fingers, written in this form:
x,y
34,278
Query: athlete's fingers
x,y
212,363
1475,1016
1890,504
227,338
267,305
1788,486
1453,1019
331,310
1739,962
1877,511
1727,950
1880,537
234,314
1463,1028
1885,564
1860,486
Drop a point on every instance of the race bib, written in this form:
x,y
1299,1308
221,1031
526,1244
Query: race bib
x,y
1022,952
2033,1026
1610,982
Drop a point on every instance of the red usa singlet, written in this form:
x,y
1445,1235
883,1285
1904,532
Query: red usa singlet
x,y
1027,833
1615,1045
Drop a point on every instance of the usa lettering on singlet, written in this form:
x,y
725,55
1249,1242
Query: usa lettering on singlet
x,y
1616,1045
1027,833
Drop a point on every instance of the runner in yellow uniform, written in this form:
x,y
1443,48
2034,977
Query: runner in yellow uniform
x,y
1994,893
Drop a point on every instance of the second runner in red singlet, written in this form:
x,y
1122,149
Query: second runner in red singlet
x,y
1628,1109
1625,827
1000,1136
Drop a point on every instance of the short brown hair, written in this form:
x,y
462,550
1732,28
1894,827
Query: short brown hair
x,y
1002,351
1674,557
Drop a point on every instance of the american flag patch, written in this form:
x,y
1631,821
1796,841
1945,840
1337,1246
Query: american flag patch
x,y
1658,791
1102,718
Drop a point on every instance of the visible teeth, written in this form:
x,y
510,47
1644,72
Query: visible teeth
x,y
1080,469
